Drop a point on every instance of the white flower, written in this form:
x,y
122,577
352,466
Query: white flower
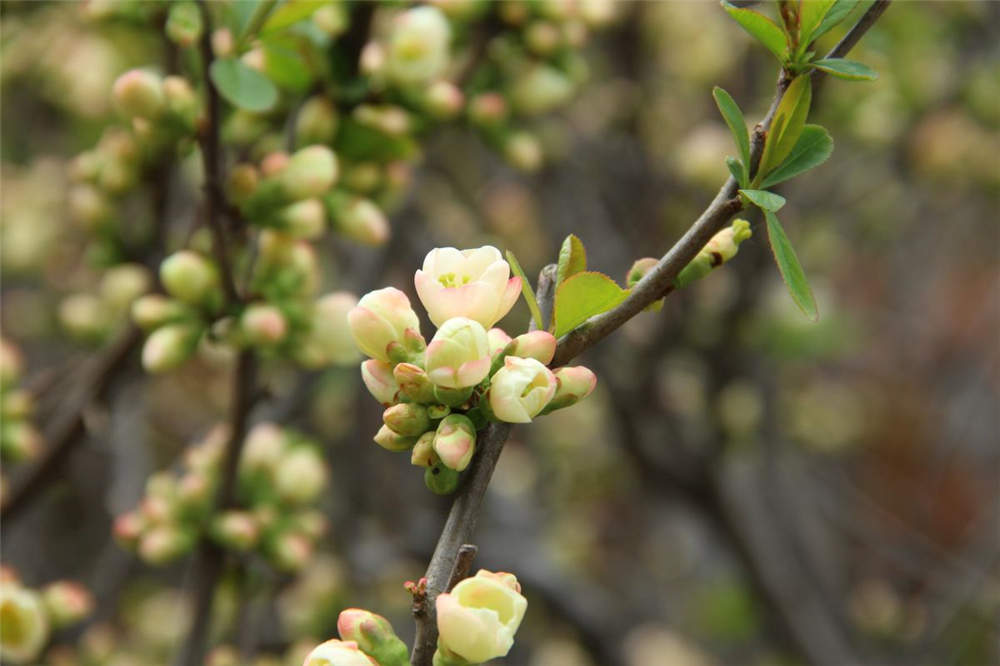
x,y
338,653
521,389
418,46
380,318
477,620
466,283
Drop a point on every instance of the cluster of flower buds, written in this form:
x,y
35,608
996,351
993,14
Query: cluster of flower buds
x,y
19,439
280,477
29,616
438,394
476,622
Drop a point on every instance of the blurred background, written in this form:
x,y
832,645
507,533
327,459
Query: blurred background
x,y
744,487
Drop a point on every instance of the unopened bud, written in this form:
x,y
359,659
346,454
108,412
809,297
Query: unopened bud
x,y
317,121
720,249
184,23
11,364
310,173
329,339
128,527
488,109
15,404
164,543
331,19
182,101
84,316
539,345
338,653
154,310
169,346
359,219
19,441
455,441
223,655
379,380
237,530
440,480
254,59
458,356
381,318
222,43
443,100
408,419
190,278
363,177
263,325
25,625
413,382
638,271
523,151
88,206
274,163
123,284
388,119
303,219
138,93
371,62
311,523
391,441
374,636
423,451
573,384
542,37
540,89
67,602
243,181
291,551
301,475
194,490
263,448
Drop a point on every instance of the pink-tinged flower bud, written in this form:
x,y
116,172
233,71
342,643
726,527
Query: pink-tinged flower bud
x,y
67,602
458,356
539,345
242,183
263,324
455,441
414,382
498,340
374,636
157,509
380,318
19,441
303,219
387,118
440,479
155,310
540,89
25,624
317,121
194,491
88,206
184,23
338,653
84,316
264,448
311,523
128,527
418,46
138,93
329,339
523,151
182,101
444,100
477,620
274,163
407,419
726,243
359,219
169,346
254,59
291,551
573,384
238,530
164,543
371,62
379,380
301,475
331,19
191,278
390,440
542,37
520,389
639,270
309,173
423,451
364,177
488,109
16,404
466,283
222,42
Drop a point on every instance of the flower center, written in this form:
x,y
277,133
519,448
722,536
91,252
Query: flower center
x,y
453,280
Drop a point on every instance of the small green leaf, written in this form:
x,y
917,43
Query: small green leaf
x,y
764,200
290,13
243,87
762,29
834,16
812,149
284,66
572,258
581,297
846,69
734,118
736,169
810,16
789,119
789,267
529,294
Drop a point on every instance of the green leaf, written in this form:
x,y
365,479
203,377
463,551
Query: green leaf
x,y
241,13
812,149
846,69
572,258
734,118
834,16
285,67
764,200
762,29
737,170
529,294
789,267
811,14
243,87
290,13
581,297
789,119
